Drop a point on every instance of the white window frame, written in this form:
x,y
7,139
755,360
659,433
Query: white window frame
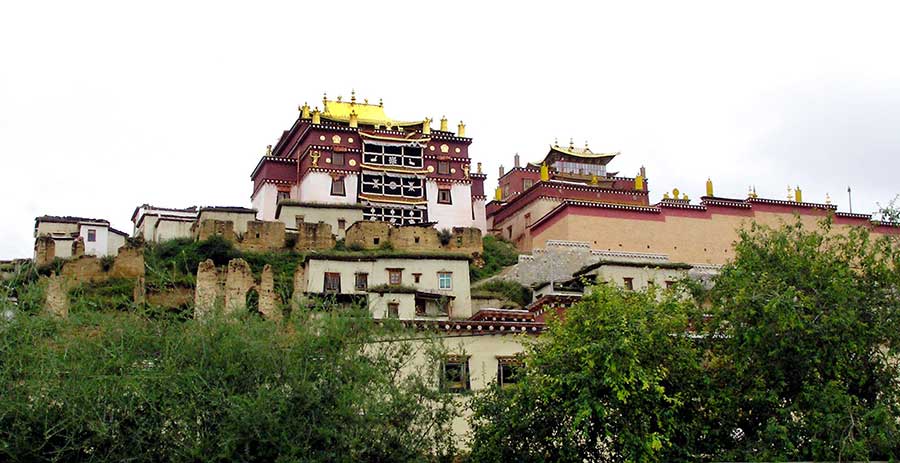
x,y
449,277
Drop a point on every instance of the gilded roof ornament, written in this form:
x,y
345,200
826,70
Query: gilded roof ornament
x,y
353,95
571,143
380,102
268,150
555,141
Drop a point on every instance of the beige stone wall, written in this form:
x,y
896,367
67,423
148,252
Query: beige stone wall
x,y
262,236
238,281
208,291
57,296
378,305
372,235
78,247
53,228
291,215
170,229
269,302
129,263
238,219
205,229
314,236
83,270
641,276
683,239
44,250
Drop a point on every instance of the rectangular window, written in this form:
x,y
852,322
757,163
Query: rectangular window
x,y
444,167
508,371
337,159
362,281
417,277
337,187
455,374
395,276
445,280
393,310
444,197
629,283
92,235
332,282
526,184
342,224
670,283
284,195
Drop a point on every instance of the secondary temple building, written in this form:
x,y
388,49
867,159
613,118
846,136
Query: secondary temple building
x,y
352,153
571,197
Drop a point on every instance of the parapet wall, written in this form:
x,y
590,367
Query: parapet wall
x,y
373,235
560,259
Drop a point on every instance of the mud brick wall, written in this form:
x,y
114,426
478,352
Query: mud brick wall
x,y
212,227
263,236
314,236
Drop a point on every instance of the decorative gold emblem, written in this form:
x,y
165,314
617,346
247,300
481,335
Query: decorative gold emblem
x,y
445,148
315,158
336,139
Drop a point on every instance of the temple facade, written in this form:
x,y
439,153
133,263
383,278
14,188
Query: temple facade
x,y
351,152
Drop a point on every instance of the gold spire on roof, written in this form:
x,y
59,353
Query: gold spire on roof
x,y
316,117
586,146
304,111
798,195
353,96
571,143
444,124
555,141
354,119
426,126
461,129
380,102
709,187
268,150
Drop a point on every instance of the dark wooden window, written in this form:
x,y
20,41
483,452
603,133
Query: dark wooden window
x,y
444,167
393,310
337,159
342,224
629,283
337,187
508,370
417,277
332,282
92,235
395,276
444,197
362,281
670,283
455,374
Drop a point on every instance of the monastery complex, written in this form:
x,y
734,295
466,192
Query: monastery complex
x,y
391,213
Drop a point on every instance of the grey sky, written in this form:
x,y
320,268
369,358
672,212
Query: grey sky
x,y
107,105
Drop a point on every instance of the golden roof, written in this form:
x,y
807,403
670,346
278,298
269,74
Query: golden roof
x,y
367,114
581,152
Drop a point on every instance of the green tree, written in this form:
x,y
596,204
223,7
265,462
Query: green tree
x,y
113,386
807,322
617,380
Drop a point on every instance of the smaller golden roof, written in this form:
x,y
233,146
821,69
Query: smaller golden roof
x,y
581,152
367,114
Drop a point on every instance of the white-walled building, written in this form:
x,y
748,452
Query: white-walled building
x,y
157,224
99,238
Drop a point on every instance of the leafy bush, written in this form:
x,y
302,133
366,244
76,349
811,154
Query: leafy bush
x,y
444,235
117,387
498,253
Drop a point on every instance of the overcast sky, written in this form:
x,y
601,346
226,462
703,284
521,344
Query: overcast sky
x,y
108,105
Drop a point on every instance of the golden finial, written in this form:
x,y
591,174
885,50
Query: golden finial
x,y
354,119
304,111
545,173
555,141
639,182
353,95
339,98
754,193
827,198
666,195
426,126
571,143
324,99
709,187
498,194
461,129
365,101
479,168
594,180
444,124
268,150
586,146
316,117
684,196
380,102
798,194
675,193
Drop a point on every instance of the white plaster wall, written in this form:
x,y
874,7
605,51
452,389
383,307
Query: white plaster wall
x,y
480,220
147,229
316,187
264,201
616,274
460,306
378,305
115,242
319,214
99,247
171,229
458,214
